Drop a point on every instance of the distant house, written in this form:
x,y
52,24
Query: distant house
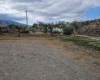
x,y
0,23
57,29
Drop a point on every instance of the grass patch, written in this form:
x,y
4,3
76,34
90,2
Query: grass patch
x,y
85,43
96,63
77,58
23,35
79,41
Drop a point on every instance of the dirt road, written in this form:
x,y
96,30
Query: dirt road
x,y
89,37
39,60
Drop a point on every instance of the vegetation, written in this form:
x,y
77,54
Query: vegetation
x,y
33,28
43,26
0,30
96,63
86,23
34,25
84,43
17,28
77,40
11,28
76,25
68,30
46,26
20,29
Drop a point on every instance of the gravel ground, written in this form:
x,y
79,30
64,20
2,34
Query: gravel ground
x,y
32,60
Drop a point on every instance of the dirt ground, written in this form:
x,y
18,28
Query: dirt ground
x,y
47,59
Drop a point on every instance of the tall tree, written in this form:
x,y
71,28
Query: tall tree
x,y
34,25
20,28
0,30
61,25
44,26
76,26
11,27
51,26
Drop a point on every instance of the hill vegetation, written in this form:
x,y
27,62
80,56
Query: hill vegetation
x,y
91,28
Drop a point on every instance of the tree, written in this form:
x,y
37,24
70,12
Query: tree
x,y
61,25
33,29
34,25
68,30
51,26
11,27
20,28
44,26
76,26
0,30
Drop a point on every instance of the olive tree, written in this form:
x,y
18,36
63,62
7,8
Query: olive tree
x,y
51,26
11,27
20,28
76,25
68,29
44,26
0,30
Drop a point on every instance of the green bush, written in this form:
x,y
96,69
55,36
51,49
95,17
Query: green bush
x,y
56,32
44,30
86,22
76,25
32,29
85,43
27,32
68,30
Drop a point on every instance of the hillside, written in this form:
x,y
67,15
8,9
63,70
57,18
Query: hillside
x,y
90,28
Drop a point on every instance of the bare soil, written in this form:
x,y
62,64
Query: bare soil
x,y
35,58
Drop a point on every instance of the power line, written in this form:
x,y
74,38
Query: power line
x,y
40,8
33,10
46,6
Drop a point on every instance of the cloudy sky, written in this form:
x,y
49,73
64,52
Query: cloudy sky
x,y
49,10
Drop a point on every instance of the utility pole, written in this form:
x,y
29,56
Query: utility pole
x,y
26,19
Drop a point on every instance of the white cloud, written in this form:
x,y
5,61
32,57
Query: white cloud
x,y
67,10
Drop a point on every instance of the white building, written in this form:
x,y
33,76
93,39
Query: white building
x,y
57,29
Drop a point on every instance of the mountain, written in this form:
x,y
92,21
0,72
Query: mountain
x,y
6,22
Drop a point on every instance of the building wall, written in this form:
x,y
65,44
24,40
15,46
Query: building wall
x,y
57,29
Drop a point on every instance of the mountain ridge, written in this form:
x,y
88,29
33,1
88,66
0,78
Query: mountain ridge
x,y
6,22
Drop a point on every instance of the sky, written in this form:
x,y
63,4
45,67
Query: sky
x,y
49,10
